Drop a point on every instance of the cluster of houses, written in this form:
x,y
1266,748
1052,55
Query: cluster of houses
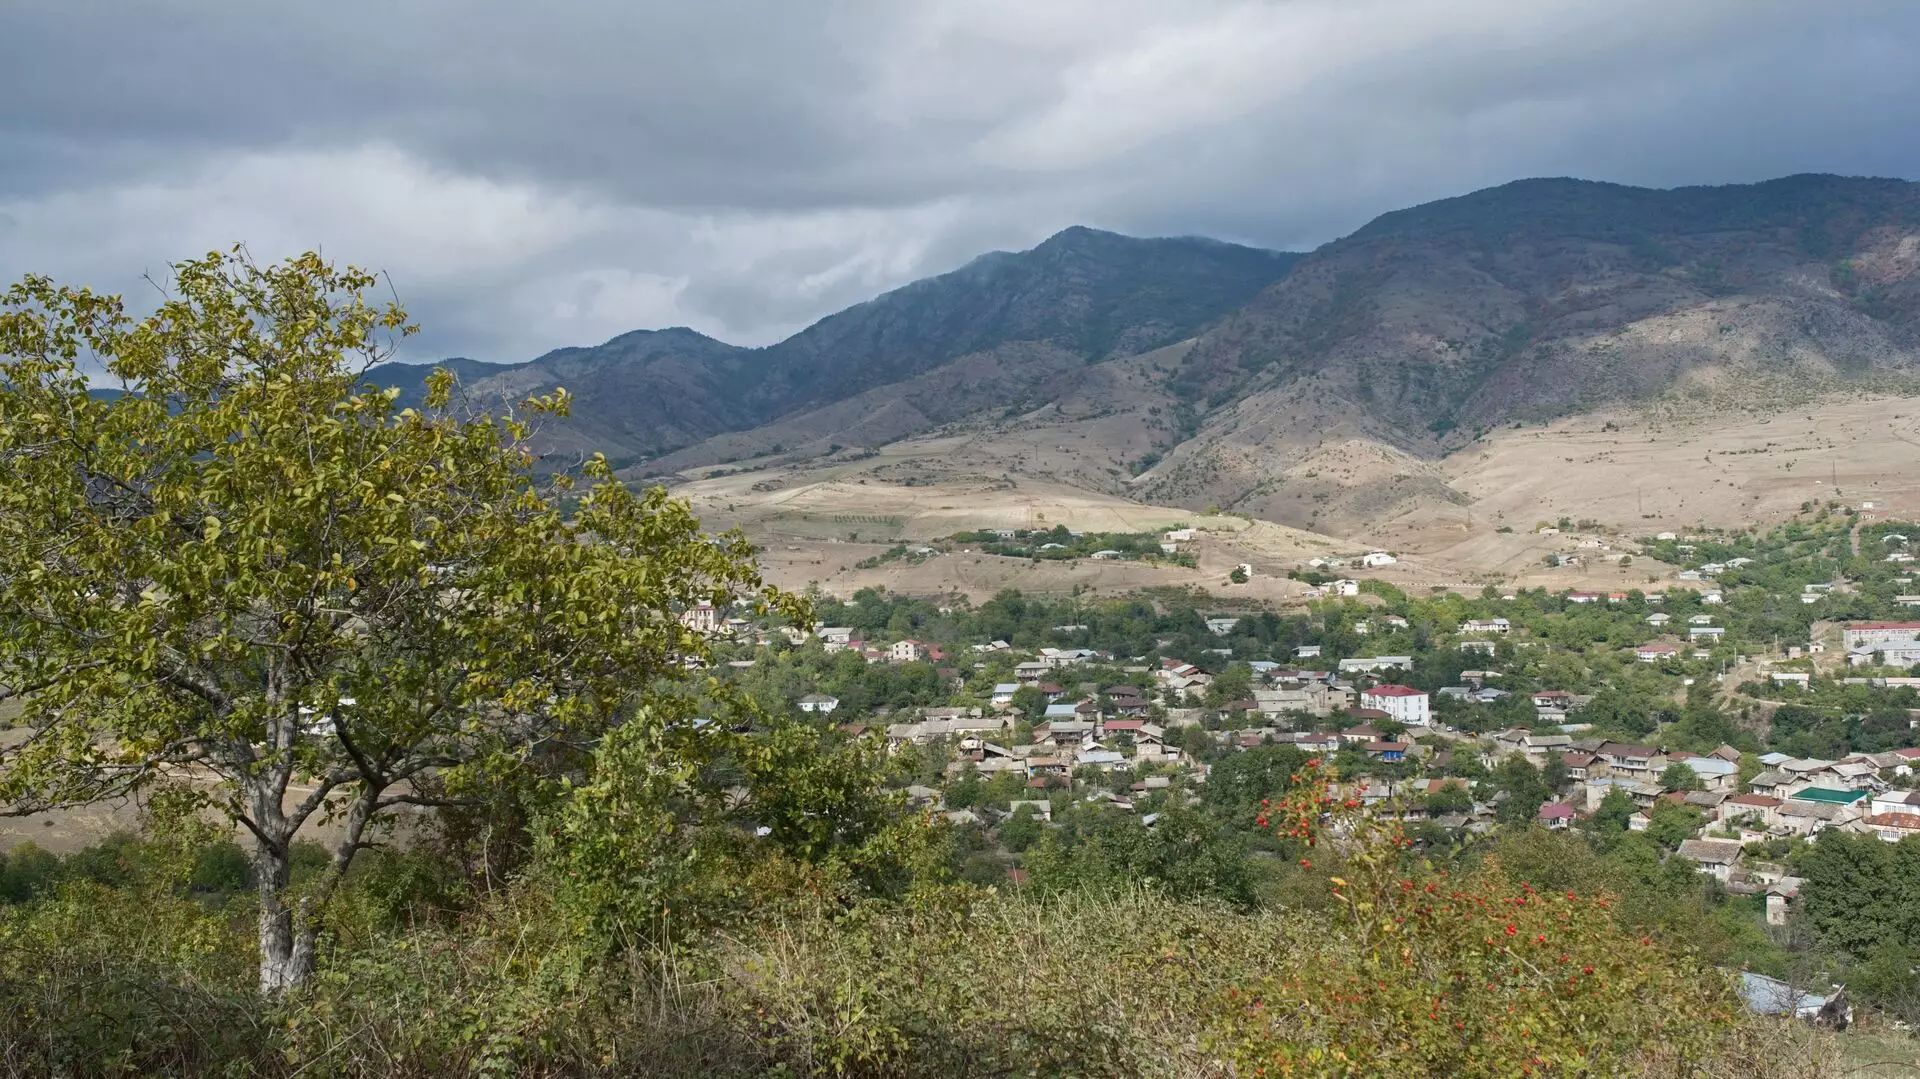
x,y
1882,644
1103,728
1370,560
837,639
1792,797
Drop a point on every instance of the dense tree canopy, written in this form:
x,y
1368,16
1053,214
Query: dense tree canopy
x,y
250,572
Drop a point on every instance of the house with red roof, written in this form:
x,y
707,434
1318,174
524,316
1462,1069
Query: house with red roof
x,y
1404,703
1556,815
1892,827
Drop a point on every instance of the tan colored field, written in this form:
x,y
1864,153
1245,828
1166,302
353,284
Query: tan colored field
x,y
817,521
869,507
1724,469
67,830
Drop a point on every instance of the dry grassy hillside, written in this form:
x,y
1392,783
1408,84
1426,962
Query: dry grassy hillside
x,y
1632,471
1438,326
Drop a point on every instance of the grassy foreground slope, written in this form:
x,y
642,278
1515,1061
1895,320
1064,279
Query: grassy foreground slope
x,y
139,963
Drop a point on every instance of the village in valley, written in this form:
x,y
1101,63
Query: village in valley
x,y
1754,698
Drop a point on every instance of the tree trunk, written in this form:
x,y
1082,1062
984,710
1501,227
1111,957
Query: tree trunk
x,y
284,964
290,931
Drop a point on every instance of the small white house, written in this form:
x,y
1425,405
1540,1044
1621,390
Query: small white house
x,y
1374,559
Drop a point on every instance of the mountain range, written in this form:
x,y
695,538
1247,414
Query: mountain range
x,y
1191,372
1081,297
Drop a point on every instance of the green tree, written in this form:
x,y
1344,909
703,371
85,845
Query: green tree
x,y
27,872
1238,784
1613,813
1679,776
1525,788
1030,701
1452,798
1232,684
1672,823
1861,892
1106,851
1021,830
251,565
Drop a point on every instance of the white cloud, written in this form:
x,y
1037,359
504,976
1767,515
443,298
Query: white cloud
x,y
496,269
534,176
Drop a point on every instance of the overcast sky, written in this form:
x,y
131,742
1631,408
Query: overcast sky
x,y
551,173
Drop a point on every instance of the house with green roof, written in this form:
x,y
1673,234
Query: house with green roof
x,y
1830,796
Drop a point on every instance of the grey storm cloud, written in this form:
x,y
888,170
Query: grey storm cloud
x,y
540,174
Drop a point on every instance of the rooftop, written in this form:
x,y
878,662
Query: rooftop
x,y
1830,796
1710,851
1391,690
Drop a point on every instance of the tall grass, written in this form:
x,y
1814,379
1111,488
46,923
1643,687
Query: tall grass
x,y
98,982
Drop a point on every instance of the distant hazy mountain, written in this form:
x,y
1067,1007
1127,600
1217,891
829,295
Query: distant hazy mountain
x,y
1082,296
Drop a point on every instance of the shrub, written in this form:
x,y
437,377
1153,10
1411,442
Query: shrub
x,y
1460,976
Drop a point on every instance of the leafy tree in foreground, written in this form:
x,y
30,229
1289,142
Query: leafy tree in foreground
x,y
253,573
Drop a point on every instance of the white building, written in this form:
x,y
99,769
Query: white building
x,y
1369,664
1374,559
702,618
907,651
1861,633
1404,703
